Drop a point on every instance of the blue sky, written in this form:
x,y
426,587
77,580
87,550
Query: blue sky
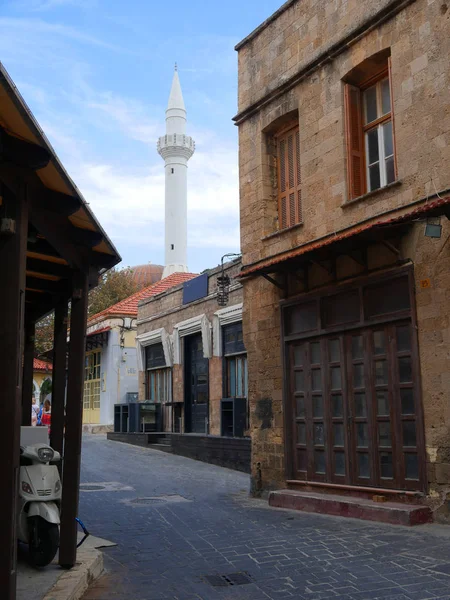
x,y
97,75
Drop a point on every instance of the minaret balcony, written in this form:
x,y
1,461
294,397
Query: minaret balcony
x,y
171,145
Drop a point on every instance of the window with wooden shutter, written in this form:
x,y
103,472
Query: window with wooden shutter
x,y
289,179
355,143
371,162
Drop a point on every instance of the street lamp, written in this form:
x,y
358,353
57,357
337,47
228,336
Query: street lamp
x,y
223,283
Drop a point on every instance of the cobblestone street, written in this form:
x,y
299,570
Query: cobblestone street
x,y
177,522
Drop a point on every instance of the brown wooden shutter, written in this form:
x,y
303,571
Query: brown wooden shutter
x,y
289,193
355,142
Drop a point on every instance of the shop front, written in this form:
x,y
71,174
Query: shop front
x,y
353,404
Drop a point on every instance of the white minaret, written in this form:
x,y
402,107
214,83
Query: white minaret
x,y
176,148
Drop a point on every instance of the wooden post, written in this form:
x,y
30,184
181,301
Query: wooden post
x,y
27,380
12,300
74,414
59,377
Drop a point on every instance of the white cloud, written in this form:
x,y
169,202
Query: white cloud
x,y
131,206
38,28
124,187
129,114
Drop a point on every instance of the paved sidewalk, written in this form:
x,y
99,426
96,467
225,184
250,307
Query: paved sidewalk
x,y
54,583
178,522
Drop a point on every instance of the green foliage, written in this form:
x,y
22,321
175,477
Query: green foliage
x,y
115,285
46,388
43,339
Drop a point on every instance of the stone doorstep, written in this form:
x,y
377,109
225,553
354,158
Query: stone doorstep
x,y
356,508
72,584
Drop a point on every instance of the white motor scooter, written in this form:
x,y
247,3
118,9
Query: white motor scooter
x,y
39,502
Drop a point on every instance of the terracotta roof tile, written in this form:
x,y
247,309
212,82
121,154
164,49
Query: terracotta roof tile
x,y
41,365
129,306
421,212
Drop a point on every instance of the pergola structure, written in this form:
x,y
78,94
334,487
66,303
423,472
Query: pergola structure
x,y
52,251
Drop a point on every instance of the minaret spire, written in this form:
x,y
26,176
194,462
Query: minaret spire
x,y
176,148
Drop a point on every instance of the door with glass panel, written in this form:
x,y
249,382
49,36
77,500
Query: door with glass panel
x,y
355,405
196,386
91,397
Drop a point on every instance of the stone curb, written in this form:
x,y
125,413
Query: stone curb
x,y
72,585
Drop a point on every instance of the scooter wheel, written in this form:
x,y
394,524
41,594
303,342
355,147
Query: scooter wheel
x,y
44,541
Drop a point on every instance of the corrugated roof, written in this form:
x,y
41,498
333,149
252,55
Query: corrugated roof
x,y
422,211
129,306
41,365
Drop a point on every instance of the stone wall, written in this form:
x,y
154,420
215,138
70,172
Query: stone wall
x,y
419,43
166,310
431,259
294,68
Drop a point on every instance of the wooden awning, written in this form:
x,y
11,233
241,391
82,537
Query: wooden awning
x,y
348,240
63,233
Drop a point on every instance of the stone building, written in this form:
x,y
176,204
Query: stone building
x,y
192,359
344,136
111,374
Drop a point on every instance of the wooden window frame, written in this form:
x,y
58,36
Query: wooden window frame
x,y
290,211
92,380
165,374
228,391
355,133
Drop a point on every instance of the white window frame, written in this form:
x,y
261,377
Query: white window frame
x,y
380,133
224,316
199,324
157,336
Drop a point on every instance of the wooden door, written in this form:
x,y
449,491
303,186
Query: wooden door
x,y
355,405
196,386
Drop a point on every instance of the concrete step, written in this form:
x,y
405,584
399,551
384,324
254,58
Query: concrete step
x,y
163,447
395,513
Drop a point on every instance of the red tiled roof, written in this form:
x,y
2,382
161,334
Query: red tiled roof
x,y
129,306
422,211
41,365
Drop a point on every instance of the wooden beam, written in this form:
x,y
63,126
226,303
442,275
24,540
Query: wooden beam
x,y
56,288
59,203
85,237
101,259
42,248
27,379
73,244
22,153
322,266
57,232
12,271
45,276
59,376
57,229
41,310
391,247
45,257
359,260
74,414
273,281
